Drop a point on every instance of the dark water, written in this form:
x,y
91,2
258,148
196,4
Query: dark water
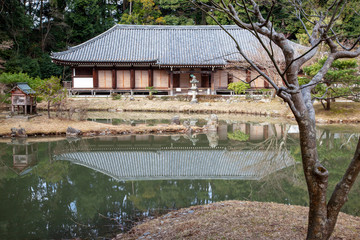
x,y
97,187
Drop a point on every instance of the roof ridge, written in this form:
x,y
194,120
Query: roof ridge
x,y
79,46
177,27
146,27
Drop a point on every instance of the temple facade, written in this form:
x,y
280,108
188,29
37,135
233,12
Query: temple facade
x,y
133,58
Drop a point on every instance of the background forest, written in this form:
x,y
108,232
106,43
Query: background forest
x,y
31,29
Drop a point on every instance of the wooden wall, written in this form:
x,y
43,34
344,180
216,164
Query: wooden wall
x,y
123,79
221,79
141,79
161,79
105,79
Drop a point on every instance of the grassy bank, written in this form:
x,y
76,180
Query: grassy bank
x,y
341,112
236,105
41,125
238,220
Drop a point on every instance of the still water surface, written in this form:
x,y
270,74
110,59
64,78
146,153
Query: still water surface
x,y
97,187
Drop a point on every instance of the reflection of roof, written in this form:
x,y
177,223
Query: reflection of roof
x,y
25,88
182,164
163,45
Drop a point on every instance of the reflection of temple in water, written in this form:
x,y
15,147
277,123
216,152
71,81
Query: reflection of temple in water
x,y
149,157
24,154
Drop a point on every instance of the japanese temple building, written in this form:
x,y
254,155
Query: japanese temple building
x,y
133,57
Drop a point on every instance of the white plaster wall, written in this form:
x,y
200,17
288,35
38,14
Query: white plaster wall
x,y
83,82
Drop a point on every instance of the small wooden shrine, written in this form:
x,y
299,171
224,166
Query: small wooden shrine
x,y
23,96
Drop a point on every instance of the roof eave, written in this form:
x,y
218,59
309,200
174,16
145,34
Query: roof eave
x,y
153,63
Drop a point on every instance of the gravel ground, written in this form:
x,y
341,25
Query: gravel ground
x,y
238,220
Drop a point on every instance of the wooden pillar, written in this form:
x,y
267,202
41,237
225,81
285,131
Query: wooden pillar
x,y
25,105
151,81
266,132
133,140
113,78
132,78
212,83
248,76
247,129
171,83
95,78
72,77
12,104
31,105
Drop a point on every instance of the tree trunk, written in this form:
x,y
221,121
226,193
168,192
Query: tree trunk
x,y
322,214
328,101
41,22
316,178
125,5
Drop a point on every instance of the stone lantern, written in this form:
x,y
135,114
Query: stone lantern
x,y
193,88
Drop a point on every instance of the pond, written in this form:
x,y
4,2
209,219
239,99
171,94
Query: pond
x,y
97,187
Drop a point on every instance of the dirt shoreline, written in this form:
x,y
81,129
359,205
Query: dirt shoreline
x,y
237,220
342,113
42,126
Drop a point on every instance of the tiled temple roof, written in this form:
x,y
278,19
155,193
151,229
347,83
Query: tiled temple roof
x,y
182,164
162,45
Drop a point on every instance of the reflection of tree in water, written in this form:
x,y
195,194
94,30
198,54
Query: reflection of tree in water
x,y
67,201
336,151
277,184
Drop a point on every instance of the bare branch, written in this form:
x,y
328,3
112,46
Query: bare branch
x,y
242,6
302,55
259,38
268,16
271,82
323,96
333,17
331,6
345,48
252,80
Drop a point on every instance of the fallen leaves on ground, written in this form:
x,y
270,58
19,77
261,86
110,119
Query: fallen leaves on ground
x,y
238,220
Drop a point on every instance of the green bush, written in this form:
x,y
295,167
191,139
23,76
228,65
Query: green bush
x,y
5,98
165,98
238,87
10,79
151,90
238,136
303,80
117,121
116,96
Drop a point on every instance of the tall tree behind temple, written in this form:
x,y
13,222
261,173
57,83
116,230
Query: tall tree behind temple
x,y
31,29
88,18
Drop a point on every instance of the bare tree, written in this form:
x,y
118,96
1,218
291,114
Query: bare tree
x,y
322,213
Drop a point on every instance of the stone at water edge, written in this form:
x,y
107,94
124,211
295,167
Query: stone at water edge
x,y
175,120
186,123
193,122
70,131
213,139
18,132
212,123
